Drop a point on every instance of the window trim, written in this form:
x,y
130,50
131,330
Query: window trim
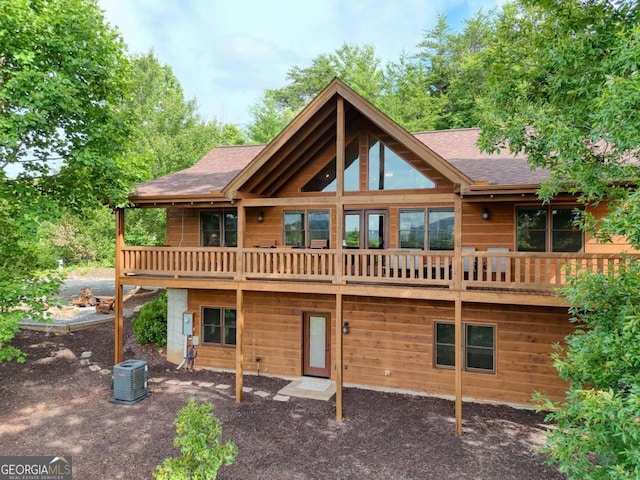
x,y
221,343
549,230
465,367
306,230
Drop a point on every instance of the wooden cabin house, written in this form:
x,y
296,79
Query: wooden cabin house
x,y
350,249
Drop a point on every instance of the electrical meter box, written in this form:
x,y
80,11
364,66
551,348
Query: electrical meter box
x,y
187,324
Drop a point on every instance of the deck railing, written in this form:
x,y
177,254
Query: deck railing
x,y
177,261
479,269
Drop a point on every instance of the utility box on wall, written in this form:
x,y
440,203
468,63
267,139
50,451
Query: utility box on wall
x,y
130,382
187,323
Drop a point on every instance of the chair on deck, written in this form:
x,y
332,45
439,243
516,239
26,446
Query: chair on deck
x,y
469,266
498,268
266,244
318,243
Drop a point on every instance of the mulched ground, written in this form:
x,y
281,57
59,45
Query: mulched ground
x,y
51,405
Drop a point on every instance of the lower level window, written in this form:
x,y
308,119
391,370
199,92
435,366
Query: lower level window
x,y
219,325
479,346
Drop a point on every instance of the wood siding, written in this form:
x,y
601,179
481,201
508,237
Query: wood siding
x,y
390,342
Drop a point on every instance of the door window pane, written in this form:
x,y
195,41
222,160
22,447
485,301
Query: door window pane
x,y
411,229
317,342
352,230
375,231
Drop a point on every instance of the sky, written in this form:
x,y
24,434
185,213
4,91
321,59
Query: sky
x,y
226,53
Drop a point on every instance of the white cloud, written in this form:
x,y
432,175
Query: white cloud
x,y
225,54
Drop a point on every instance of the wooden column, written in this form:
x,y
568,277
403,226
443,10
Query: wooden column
x,y
339,367
339,263
240,305
457,285
458,368
239,343
118,334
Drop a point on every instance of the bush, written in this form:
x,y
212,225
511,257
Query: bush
x,y
199,439
150,326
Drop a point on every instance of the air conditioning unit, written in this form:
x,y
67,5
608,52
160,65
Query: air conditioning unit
x,y
130,382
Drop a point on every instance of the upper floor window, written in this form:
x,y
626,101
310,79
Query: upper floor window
x,y
302,226
219,325
219,228
548,229
439,234
387,171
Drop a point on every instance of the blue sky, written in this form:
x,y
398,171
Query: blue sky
x,y
226,53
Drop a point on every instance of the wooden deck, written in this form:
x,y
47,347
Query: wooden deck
x,y
535,273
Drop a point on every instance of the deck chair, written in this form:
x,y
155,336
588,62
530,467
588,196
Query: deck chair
x,y
469,264
318,243
266,244
494,261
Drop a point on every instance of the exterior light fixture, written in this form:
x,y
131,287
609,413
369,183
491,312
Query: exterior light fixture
x,y
260,217
486,214
345,327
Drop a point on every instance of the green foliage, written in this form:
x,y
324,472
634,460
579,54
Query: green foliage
x,y
598,424
22,297
434,88
563,86
150,326
199,439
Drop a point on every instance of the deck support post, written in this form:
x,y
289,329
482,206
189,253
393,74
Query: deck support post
x,y
239,344
118,333
458,367
338,360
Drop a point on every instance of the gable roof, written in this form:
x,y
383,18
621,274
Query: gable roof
x,y
321,112
220,174
460,148
211,174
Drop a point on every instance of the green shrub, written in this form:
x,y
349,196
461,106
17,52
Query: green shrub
x,y
199,439
150,326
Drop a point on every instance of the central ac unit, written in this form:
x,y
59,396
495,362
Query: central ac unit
x,y
130,382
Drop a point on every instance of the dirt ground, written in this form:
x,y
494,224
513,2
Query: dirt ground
x,y
51,405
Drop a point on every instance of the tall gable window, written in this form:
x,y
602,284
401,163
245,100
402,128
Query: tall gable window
x,y
387,171
219,228
325,180
548,229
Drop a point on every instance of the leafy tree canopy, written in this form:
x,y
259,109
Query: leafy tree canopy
x,y
563,85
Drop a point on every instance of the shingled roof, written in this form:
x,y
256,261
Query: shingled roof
x,y
458,147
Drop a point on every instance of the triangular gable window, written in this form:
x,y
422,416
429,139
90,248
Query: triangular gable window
x,y
325,180
387,171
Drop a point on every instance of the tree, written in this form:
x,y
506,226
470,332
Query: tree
x,y
358,66
198,436
563,86
63,134
454,69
